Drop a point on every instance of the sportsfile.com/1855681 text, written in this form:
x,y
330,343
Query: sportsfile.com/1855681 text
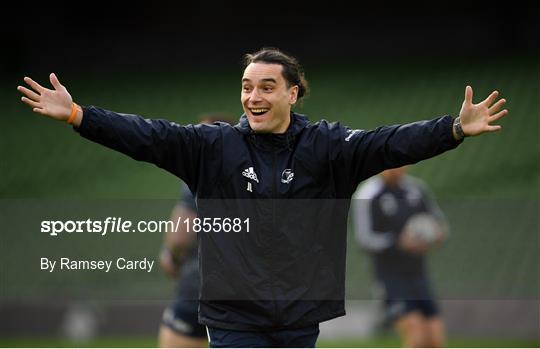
x,y
120,225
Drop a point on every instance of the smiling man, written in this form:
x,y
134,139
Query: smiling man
x,y
275,191
269,90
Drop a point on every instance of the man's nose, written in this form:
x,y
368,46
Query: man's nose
x,y
255,96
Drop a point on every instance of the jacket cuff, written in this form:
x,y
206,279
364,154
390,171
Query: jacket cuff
x,y
88,121
449,135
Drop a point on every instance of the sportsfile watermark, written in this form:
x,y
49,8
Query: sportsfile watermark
x,y
121,225
490,252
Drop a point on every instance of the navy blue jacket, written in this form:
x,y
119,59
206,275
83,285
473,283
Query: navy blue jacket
x,y
288,270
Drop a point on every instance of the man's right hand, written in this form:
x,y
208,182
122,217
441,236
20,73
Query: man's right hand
x,y
56,104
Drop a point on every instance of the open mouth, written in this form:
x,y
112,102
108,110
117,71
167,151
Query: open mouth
x,y
259,111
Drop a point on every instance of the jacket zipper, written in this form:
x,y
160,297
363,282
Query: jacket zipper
x,y
273,198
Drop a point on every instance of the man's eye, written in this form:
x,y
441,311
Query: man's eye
x,y
246,88
267,89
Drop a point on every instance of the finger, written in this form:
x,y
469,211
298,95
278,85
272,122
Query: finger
x,y
491,98
31,103
55,82
29,93
34,84
468,94
39,111
493,128
497,116
497,106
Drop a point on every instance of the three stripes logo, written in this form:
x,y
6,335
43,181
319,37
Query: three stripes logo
x,y
249,173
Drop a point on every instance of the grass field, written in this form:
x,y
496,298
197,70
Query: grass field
x,y
376,342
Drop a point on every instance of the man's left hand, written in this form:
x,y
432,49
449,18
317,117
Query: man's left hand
x,y
478,118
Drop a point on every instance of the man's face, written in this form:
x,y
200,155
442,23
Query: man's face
x,y
266,99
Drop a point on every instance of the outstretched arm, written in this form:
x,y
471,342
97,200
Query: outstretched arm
x,y
166,144
478,118
56,104
371,152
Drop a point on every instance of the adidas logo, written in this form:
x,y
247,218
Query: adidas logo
x,y
249,173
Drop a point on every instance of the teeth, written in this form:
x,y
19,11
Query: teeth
x,y
261,110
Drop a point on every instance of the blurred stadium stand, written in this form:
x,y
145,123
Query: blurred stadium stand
x,y
142,37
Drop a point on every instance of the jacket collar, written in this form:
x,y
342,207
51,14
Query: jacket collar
x,y
298,122
272,141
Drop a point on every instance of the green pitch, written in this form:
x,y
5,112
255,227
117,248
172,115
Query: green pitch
x,y
150,342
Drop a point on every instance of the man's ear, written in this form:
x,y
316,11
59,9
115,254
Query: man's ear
x,y
293,94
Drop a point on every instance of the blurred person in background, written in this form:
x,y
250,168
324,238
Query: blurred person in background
x,y
397,220
180,327
274,284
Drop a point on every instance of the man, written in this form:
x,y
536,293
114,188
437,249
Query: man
x,y
178,258
270,278
398,222
180,327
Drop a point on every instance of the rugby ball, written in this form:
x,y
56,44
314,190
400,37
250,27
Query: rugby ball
x,y
424,227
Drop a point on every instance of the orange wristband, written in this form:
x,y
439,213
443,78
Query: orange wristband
x,y
73,113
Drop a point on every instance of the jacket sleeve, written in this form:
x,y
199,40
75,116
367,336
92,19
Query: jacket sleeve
x,y
367,153
363,219
166,144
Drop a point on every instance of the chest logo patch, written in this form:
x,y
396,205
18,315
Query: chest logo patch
x,y
249,173
287,176
388,204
